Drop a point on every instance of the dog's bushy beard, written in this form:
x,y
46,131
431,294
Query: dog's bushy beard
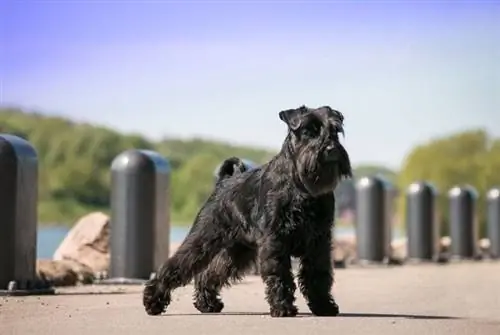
x,y
345,170
318,176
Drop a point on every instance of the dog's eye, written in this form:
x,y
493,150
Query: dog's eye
x,y
309,132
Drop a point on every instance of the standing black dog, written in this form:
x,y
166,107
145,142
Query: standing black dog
x,y
281,209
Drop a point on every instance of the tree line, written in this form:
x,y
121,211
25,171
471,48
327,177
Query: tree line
x,y
470,157
75,158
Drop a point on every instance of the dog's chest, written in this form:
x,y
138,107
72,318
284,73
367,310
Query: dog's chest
x,y
305,222
303,219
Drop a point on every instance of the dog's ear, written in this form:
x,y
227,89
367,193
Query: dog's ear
x,y
293,117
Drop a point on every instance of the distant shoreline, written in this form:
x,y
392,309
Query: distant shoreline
x,y
180,225
70,225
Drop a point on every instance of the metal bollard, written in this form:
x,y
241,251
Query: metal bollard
x,y
493,219
463,226
140,218
372,240
18,218
421,226
389,191
248,164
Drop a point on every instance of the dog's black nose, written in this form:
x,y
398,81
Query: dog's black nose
x,y
331,154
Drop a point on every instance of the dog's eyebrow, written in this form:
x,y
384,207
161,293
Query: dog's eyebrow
x,y
338,115
333,113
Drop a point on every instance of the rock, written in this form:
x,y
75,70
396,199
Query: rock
x,y
399,251
484,246
87,244
344,250
444,244
63,272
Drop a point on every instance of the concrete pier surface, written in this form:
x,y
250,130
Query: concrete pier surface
x,y
453,299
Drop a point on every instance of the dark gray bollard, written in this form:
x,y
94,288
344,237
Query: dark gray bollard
x,y
18,218
463,226
493,219
421,226
372,240
140,218
389,191
248,164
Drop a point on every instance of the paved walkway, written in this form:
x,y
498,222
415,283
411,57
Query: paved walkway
x,y
413,299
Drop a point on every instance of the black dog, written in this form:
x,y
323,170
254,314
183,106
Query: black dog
x,y
282,209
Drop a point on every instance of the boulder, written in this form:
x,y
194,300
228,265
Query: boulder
x,y
398,249
63,272
344,250
444,244
87,244
484,246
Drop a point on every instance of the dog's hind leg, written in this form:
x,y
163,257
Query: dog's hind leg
x,y
194,255
228,266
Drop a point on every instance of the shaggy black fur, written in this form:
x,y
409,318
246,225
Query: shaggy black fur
x,y
281,209
231,167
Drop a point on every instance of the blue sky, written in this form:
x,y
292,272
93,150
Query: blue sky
x,y
401,72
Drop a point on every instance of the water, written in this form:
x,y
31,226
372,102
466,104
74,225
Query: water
x,y
49,238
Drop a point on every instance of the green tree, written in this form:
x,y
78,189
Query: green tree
x,y
74,161
369,170
465,158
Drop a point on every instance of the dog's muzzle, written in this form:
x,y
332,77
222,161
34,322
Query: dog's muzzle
x,y
331,154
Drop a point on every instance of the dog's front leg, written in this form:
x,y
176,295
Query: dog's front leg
x,y
276,272
316,276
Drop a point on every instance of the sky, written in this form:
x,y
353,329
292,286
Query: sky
x,y
400,72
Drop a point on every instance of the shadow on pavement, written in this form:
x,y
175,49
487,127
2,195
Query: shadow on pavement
x,y
401,316
342,315
95,292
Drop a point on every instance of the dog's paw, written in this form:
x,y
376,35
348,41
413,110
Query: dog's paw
x,y
283,311
326,308
154,301
209,306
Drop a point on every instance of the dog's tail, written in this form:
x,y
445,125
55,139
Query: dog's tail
x,y
230,167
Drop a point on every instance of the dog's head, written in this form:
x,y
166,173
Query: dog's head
x,y
319,159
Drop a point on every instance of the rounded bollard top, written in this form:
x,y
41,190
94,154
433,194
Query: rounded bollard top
x,y
248,163
387,183
421,187
11,144
370,181
493,193
134,160
161,163
459,191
